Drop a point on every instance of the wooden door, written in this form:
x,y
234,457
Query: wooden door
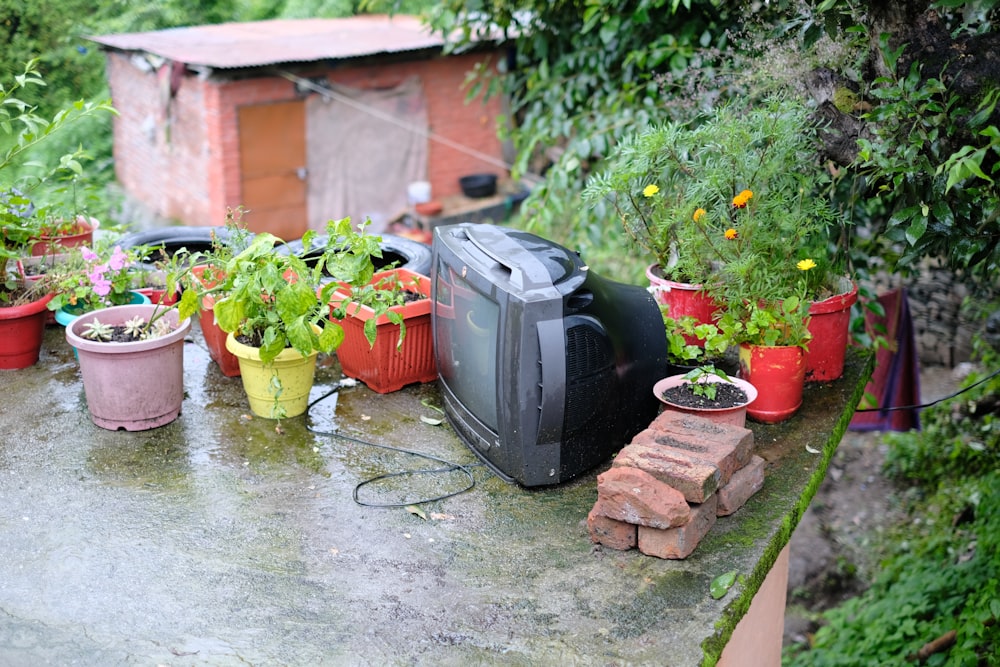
x,y
273,168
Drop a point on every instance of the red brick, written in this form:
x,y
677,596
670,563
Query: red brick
x,y
613,534
695,479
747,481
679,542
635,496
704,430
696,449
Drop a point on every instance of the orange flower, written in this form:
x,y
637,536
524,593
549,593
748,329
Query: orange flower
x,y
698,214
740,200
731,234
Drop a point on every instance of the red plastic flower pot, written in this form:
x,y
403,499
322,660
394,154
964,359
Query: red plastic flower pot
x,y
84,236
778,373
829,324
21,331
682,299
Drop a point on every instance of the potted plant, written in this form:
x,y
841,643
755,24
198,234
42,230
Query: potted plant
x,y
773,337
91,279
206,272
721,202
58,234
23,304
277,316
708,392
645,184
132,364
388,342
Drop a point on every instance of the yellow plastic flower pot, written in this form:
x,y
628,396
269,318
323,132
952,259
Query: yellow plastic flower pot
x,y
293,372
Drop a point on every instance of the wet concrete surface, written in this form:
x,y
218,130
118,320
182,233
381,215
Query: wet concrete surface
x,y
220,539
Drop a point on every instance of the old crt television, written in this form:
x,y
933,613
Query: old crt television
x,y
546,369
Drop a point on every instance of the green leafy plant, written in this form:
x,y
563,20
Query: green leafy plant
x,y
381,296
712,342
21,133
735,204
93,278
700,385
276,301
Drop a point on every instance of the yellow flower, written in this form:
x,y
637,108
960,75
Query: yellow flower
x,y
698,214
731,234
650,190
740,200
806,264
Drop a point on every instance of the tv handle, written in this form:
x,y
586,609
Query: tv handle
x,y
526,272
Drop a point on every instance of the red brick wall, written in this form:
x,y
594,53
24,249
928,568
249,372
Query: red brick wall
x,y
182,159
159,142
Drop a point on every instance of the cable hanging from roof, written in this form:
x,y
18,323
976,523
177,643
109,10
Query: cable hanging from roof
x,y
326,91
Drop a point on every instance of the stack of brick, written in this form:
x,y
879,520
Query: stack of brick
x,y
665,489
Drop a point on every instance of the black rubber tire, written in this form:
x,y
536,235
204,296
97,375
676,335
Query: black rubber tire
x,y
405,253
194,239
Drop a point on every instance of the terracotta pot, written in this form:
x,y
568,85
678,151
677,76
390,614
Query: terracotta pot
x,y
383,367
735,415
829,324
215,338
295,372
131,386
682,299
21,331
48,245
778,373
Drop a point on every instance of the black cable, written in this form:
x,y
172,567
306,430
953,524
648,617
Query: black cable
x,y
927,405
449,466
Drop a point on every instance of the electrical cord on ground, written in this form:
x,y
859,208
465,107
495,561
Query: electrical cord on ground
x,y
449,466
935,402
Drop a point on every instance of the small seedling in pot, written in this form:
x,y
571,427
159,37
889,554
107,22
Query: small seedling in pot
x,y
700,386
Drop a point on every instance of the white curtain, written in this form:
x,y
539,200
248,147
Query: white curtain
x,y
363,151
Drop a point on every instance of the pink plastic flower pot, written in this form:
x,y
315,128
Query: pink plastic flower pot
x,y
778,373
736,415
131,386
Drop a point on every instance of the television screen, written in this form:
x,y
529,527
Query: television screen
x,y
546,369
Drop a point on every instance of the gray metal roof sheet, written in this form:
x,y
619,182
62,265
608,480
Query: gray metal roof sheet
x,y
259,43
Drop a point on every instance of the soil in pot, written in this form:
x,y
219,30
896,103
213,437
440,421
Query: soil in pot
x,y
726,396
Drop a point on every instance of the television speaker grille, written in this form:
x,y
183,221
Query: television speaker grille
x,y
590,374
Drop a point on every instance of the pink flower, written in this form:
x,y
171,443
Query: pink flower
x,y
118,259
101,286
88,254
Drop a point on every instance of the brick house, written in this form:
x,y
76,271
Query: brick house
x,y
298,121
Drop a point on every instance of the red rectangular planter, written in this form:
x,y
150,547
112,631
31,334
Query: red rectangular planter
x,y
383,367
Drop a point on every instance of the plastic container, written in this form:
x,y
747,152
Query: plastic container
x,y
478,185
418,192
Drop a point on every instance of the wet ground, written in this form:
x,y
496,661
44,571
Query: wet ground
x,y
224,539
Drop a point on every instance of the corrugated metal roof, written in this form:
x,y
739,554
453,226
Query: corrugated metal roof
x,y
254,44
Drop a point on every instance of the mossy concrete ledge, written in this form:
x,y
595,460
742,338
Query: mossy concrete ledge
x,y
220,539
